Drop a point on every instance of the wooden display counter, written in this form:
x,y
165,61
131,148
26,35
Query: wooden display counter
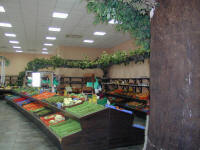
x,y
102,130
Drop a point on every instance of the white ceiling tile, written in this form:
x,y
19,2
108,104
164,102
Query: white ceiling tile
x,y
31,19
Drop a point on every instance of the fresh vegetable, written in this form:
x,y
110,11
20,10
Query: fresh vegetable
x,y
66,128
85,109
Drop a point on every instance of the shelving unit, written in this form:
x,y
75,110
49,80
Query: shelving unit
x,y
11,80
101,130
70,80
138,85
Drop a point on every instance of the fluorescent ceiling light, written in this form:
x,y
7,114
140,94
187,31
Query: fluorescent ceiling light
x,y
113,21
88,41
45,53
51,38
60,15
14,42
44,49
99,33
3,24
10,34
2,9
54,29
19,51
16,47
48,44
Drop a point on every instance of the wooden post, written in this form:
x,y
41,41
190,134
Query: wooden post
x,y
175,76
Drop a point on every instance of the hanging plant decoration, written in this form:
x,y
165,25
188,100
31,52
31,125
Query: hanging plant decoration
x,y
143,6
128,16
103,62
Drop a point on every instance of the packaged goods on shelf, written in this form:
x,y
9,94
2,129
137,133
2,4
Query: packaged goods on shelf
x,y
85,109
66,128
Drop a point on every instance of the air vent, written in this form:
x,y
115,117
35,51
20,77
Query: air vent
x,y
4,47
73,36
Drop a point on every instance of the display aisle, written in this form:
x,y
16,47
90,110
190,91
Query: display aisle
x,y
19,133
93,125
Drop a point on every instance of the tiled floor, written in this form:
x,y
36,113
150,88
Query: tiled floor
x,y
18,133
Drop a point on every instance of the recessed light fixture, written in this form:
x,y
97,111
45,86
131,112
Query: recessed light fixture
x,y
48,44
44,49
51,38
113,21
60,15
19,51
17,47
45,53
88,41
99,33
10,34
2,9
54,29
3,24
14,42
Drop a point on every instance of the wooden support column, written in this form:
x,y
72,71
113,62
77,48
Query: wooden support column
x,y
175,76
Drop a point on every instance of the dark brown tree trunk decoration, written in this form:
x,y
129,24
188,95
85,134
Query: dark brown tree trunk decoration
x,y
175,76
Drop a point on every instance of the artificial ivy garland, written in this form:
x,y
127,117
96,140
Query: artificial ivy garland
x,y
104,61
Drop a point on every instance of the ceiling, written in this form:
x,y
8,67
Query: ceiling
x,y
31,18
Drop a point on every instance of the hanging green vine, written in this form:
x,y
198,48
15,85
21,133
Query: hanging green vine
x,y
143,6
128,17
104,61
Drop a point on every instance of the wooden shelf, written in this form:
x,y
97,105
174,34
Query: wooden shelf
x,y
147,86
126,97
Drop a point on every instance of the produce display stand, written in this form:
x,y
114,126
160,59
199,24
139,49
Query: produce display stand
x,y
138,112
73,80
102,130
137,84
